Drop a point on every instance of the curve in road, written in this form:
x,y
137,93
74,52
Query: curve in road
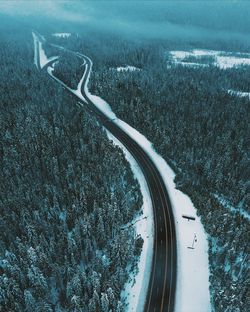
x,y
161,289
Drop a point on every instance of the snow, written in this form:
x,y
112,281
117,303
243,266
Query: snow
x,y
239,93
39,53
102,105
135,290
62,35
191,64
192,290
44,60
35,49
127,68
225,62
226,204
222,59
76,91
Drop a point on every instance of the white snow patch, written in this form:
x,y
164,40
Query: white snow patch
x,y
239,93
222,59
135,290
102,105
62,35
191,64
127,68
225,62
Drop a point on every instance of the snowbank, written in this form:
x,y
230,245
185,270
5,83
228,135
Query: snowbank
x,y
225,62
76,91
222,59
135,290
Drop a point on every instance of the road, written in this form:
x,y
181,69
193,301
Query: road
x,y
161,288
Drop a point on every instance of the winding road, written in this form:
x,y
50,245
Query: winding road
x,y
161,289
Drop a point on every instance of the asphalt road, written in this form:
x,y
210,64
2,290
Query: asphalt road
x,y
161,289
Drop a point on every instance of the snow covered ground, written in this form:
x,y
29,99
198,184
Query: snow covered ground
x,y
222,59
192,290
239,93
62,35
127,68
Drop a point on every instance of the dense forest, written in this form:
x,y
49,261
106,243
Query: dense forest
x,y
66,194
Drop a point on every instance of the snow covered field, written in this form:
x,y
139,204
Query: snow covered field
x,y
127,68
222,59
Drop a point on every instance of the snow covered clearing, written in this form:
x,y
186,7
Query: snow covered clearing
x,y
226,204
127,68
135,290
62,35
222,59
239,93
225,62
192,289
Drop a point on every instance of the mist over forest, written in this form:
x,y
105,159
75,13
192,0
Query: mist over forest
x,y
169,20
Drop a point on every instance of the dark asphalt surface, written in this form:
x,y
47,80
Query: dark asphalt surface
x,y
161,289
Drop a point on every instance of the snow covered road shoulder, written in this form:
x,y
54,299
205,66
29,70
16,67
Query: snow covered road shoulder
x,y
135,290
